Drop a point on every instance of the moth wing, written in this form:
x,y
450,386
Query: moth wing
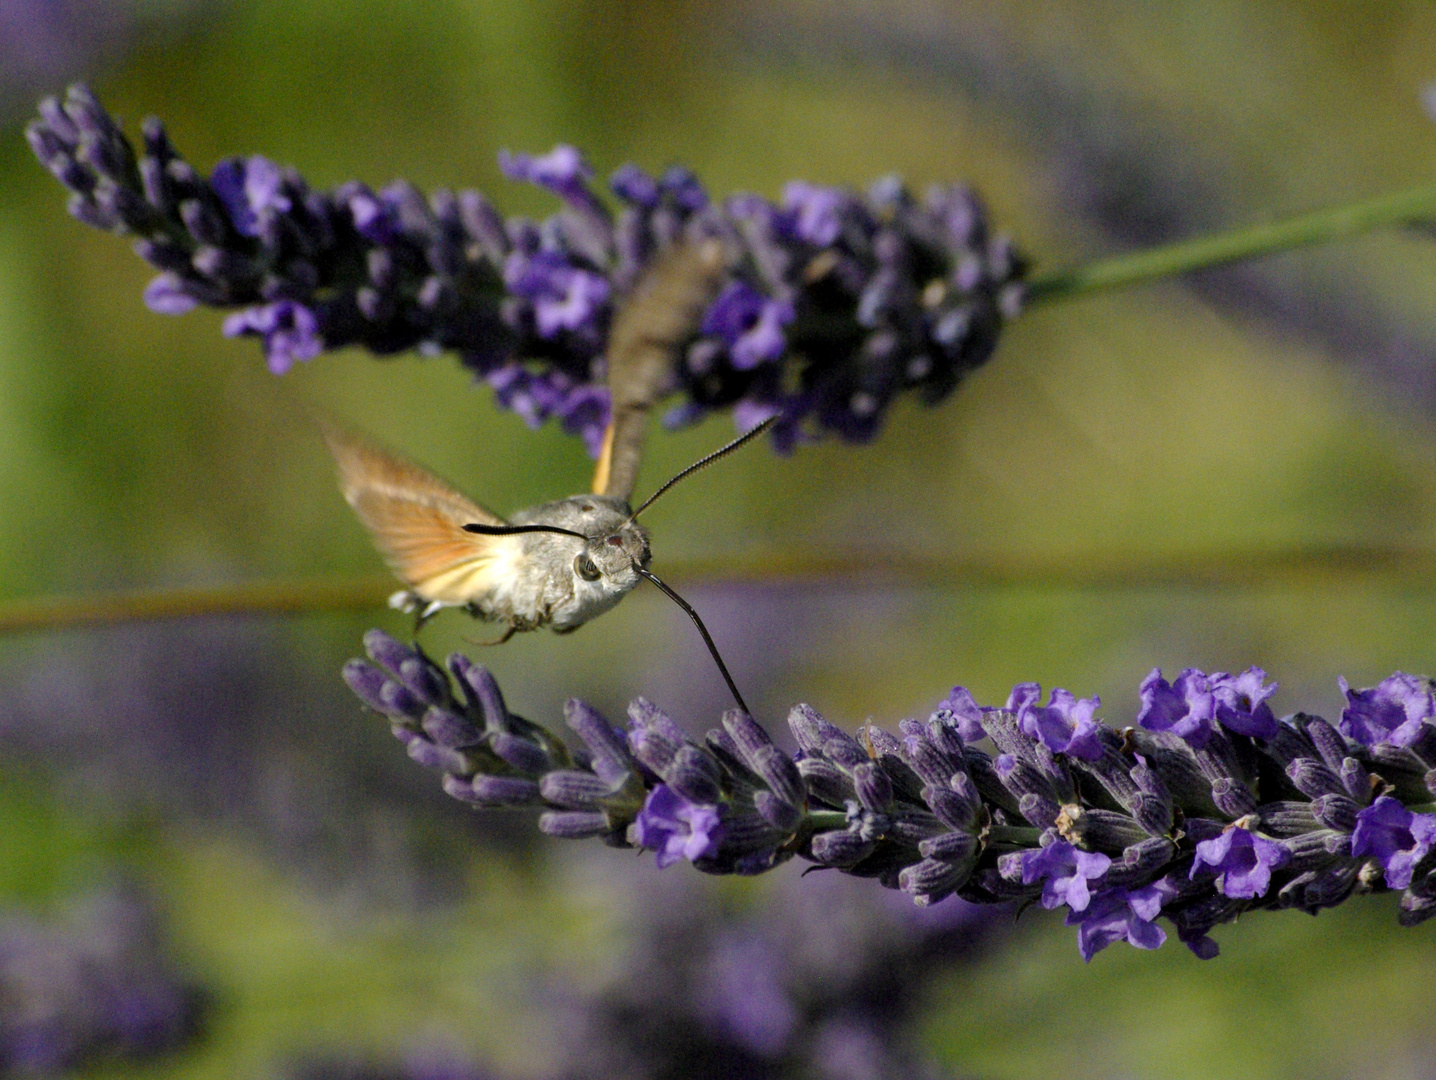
x,y
417,522
664,309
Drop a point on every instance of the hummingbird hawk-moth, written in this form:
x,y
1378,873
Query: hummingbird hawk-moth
x,y
562,563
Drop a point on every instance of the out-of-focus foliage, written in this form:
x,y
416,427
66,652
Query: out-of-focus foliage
x,y
335,911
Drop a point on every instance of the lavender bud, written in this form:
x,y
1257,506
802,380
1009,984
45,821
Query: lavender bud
x,y
746,834
953,847
1140,862
366,681
1113,772
1288,744
1312,778
152,180
1357,781
1288,818
481,691
505,790
1336,812
1022,778
520,753
206,226
441,758
645,714
811,730
449,729
166,255
746,732
950,807
840,848
1314,850
695,776
779,813
932,879
573,789
573,825
398,701
87,213
386,651
988,784
845,752
930,764
484,226
872,787
1099,830
1329,743
1152,812
826,782
780,774
912,827
1039,810
424,681
1233,798
654,749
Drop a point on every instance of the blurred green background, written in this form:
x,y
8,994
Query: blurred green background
x,y
1229,420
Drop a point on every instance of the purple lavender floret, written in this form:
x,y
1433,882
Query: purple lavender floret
x,y
1395,837
828,305
1119,915
1398,711
1065,872
1065,725
676,828
1193,705
987,804
1241,860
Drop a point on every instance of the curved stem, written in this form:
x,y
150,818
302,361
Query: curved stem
x,y
1351,219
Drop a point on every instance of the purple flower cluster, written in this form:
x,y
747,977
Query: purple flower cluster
x,y
828,304
815,976
95,986
1206,807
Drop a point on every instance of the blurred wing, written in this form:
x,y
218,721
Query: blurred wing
x,y
417,523
664,309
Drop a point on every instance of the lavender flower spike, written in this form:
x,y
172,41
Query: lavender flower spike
x,y
828,306
1155,826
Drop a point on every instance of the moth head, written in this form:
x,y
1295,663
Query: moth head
x,y
613,544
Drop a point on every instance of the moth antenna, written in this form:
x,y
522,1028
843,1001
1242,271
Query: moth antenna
x,y
515,530
703,463
707,638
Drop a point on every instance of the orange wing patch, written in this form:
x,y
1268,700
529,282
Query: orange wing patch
x,y
417,523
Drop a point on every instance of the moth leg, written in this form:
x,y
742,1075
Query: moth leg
x,y
510,632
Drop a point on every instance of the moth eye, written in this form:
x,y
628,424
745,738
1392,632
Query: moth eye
x,y
584,568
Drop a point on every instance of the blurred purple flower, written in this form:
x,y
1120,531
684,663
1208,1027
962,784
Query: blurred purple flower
x,y
1395,837
248,188
290,332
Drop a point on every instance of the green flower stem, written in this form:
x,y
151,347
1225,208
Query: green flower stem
x,y
1407,207
1309,567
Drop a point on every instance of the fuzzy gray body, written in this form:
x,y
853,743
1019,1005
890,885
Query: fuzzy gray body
x,y
549,589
